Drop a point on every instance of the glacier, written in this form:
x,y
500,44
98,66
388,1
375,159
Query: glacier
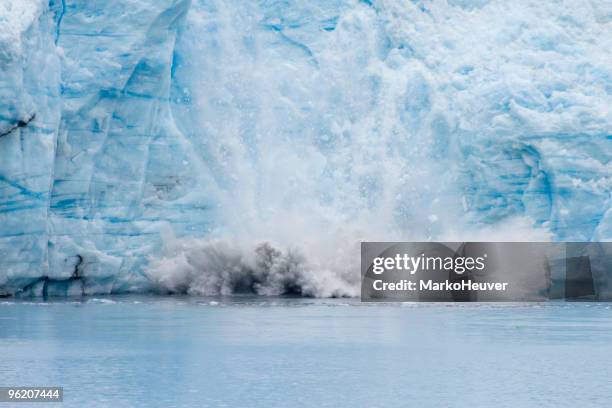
x,y
215,146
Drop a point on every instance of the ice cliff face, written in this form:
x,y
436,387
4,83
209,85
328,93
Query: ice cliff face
x,y
155,144
30,113
80,180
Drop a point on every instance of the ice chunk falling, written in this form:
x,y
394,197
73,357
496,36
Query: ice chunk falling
x,y
159,144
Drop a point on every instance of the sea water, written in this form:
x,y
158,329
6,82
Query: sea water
x,y
283,352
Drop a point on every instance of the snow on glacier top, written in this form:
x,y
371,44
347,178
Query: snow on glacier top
x,y
16,17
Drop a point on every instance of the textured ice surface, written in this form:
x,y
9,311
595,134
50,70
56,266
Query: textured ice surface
x,y
30,112
219,125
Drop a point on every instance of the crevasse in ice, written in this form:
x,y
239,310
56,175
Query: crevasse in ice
x,y
211,146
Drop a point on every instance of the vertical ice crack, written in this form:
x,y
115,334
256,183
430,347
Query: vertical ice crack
x,y
59,15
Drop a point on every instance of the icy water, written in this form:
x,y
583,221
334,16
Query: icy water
x,y
253,352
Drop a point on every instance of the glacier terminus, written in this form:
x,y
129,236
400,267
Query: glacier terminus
x,y
215,146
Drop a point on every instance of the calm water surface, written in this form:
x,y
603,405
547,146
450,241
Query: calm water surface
x,y
253,352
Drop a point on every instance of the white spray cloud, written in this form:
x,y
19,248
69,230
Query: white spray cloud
x,y
324,124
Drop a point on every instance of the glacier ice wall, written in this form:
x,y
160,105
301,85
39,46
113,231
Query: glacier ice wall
x,y
30,112
157,144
